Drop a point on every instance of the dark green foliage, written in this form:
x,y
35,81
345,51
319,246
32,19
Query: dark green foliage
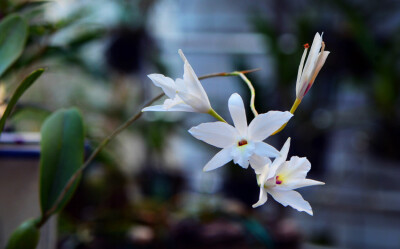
x,y
62,151
13,34
25,84
26,236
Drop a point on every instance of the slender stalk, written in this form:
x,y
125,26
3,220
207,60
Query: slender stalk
x,y
252,91
104,143
235,73
292,110
213,113
295,105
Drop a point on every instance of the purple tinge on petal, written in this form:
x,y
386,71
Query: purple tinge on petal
x,y
309,85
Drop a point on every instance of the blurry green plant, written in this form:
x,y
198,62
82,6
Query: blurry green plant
x,y
13,34
62,133
24,85
62,148
25,236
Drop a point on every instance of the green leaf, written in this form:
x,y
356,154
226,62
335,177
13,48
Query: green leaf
x,y
27,5
62,149
13,34
25,84
25,236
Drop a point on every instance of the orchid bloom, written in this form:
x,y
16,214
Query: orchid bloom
x,y
306,75
243,144
185,94
281,177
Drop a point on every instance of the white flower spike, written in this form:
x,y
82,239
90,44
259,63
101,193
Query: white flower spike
x,y
316,59
280,178
243,144
186,95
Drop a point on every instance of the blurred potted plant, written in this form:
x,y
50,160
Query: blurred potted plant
x,y
18,152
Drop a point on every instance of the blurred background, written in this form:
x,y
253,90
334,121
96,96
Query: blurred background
x,y
147,189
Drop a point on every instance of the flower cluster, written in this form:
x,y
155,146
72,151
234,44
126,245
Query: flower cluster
x,y
244,143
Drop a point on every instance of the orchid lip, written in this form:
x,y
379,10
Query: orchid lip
x,y
242,142
278,180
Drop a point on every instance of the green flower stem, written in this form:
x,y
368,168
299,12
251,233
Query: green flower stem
x,y
252,92
295,105
213,113
292,110
117,131
235,73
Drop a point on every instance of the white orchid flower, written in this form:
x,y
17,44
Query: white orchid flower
x,y
185,94
280,178
316,59
243,144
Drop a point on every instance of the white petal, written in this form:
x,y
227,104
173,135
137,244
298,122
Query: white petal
x,y
262,198
295,169
192,82
271,173
305,183
161,108
291,198
312,56
169,106
265,124
300,71
313,74
198,104
180,85
321,60
238,113
310,72
265,150
220,159
307,83
181,108
262,179
316,45
154,108
259,163
169,103
218,134
241,154
280,159
167,84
